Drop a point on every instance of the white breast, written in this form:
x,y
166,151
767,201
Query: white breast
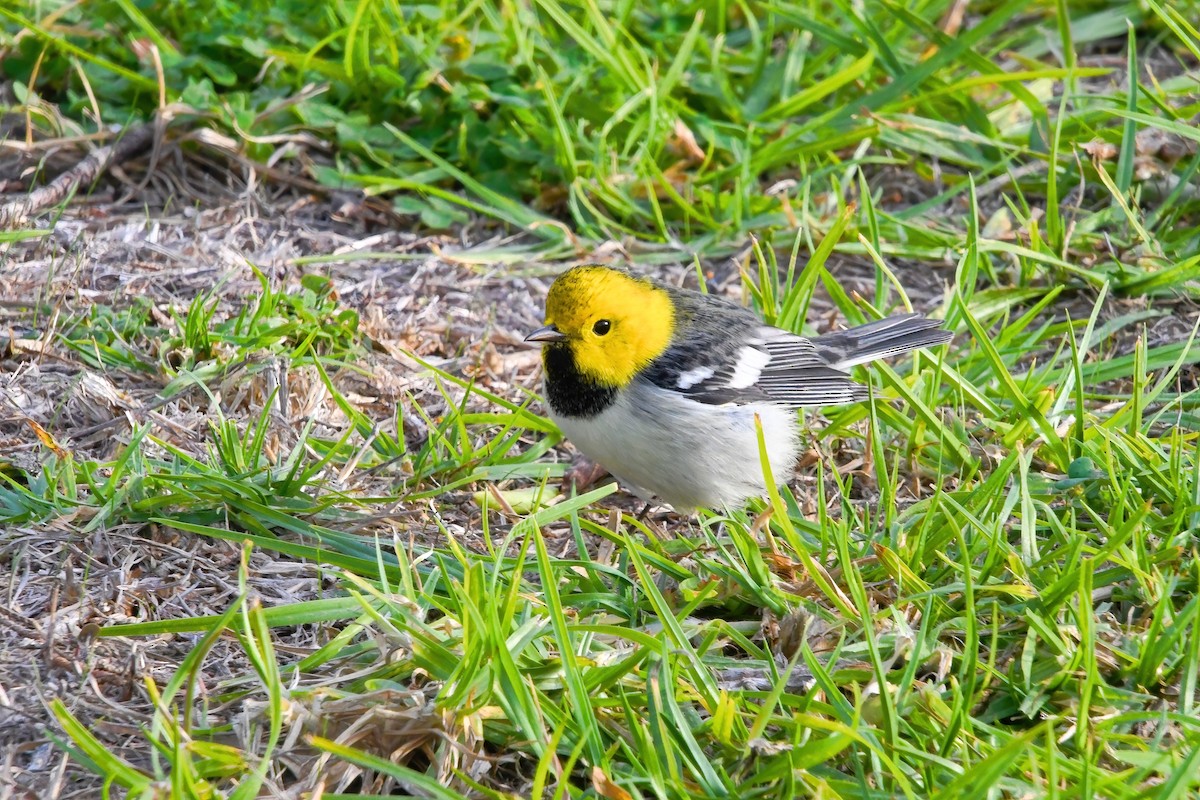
x,y
686,453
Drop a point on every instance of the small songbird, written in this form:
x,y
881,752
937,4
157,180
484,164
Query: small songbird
x,y
661,386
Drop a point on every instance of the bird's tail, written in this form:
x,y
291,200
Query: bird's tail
x,y
880,339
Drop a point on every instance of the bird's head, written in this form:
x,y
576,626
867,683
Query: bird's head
x,y
611,323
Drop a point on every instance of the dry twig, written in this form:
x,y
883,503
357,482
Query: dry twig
x,y
85,172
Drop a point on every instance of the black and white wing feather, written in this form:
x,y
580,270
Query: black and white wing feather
x,y
726,355
771,366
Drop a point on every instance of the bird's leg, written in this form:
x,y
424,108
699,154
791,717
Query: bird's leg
x,y
649,525
583,473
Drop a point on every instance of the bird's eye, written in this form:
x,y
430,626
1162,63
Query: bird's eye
x,y
601,327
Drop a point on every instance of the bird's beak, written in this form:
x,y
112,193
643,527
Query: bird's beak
x,y
548,333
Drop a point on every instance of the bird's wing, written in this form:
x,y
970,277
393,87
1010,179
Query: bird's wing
x,y
754,364
723,353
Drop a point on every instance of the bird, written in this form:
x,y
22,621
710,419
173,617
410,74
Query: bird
x,y
662,386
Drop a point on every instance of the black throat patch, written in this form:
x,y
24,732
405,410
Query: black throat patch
x,y
568,392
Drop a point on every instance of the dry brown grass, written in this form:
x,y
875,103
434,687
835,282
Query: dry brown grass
x,y
62,579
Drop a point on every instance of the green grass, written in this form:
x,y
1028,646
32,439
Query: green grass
x,y
659,122
999,600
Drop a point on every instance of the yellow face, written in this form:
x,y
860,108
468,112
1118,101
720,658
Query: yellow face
x,y
613,323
